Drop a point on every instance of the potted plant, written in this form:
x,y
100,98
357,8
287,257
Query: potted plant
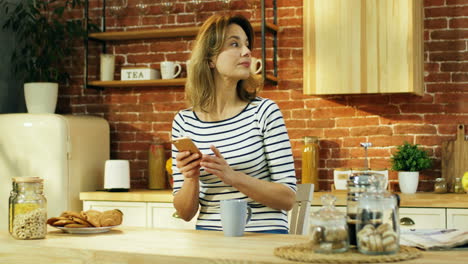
x,y
409,160
44,35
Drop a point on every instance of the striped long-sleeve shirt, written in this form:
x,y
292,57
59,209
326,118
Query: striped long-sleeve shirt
x,y
254,142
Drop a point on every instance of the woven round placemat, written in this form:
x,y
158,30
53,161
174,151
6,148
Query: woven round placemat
x,y
303,252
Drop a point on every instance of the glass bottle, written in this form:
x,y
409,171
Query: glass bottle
x,y
458,186
328,229
310,161
28,209
357,185
440,185
157,166
377,228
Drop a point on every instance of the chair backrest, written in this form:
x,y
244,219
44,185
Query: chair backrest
x,y
301,209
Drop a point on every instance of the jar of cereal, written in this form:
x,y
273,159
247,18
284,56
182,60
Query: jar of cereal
x,y
28,209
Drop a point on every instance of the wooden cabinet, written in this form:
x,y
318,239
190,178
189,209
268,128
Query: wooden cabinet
x,y
419,218
457,218
134,212
163,215
144,214
422,218
363,46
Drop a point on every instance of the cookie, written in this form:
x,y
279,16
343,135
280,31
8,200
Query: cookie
x,y
70,214
111,218
75,225
63,222
93,216
81,221
52,220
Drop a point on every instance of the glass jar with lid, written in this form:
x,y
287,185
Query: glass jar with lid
x,y
440,185
328,229
358,183
377,227
28,209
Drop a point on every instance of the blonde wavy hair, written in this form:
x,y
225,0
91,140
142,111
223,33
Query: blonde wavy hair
x,y
200,89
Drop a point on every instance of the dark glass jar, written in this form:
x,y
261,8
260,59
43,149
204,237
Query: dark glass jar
x,y
358,183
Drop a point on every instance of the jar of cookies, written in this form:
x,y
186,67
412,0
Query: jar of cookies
x,y
377,227
328,229
28,209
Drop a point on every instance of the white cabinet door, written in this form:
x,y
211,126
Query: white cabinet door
x,y
457,218
161,215
422,218
134,213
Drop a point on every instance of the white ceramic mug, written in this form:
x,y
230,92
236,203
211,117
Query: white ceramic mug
x,y
256,65
168,69
235,214
107,67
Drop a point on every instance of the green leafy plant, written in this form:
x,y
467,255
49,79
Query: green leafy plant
x,y
44,35
410,157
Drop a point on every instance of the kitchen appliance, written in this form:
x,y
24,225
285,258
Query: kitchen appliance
x,y
455,158
67,151
117,176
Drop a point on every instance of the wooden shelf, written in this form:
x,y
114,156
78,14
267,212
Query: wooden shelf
x,y
154,83
145,83
162,33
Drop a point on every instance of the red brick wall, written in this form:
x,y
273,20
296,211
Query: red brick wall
x,y
136,115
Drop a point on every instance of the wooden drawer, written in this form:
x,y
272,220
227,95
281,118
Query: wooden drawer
x,y
422,218
134,212
457,218
161,215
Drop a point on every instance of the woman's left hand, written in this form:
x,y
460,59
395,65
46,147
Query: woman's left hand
x,y
218,166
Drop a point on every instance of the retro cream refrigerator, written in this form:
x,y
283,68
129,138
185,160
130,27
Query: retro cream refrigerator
x,y
67,151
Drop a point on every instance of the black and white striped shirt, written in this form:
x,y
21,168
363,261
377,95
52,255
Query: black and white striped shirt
x,y
254,142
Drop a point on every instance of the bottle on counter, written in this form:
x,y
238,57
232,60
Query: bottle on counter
x,y
440,186
458,186
310,161
377,228
328,228
28,209
157,166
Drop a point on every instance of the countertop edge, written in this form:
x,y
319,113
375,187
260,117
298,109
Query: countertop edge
x,y
420,200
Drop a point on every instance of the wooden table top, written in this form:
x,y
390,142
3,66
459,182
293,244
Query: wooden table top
x,y
430,200
140,245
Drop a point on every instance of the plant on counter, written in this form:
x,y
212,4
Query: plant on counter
x,y
408,161
410,157
43,35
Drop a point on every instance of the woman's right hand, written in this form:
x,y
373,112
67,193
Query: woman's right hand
x,y
188,164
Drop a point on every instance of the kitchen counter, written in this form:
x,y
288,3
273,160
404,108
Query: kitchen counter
x,y
140,245
429,200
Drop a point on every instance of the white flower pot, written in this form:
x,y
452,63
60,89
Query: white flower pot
x,y
408,181
41,97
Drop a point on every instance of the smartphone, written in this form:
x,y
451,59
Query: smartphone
x,y
185,144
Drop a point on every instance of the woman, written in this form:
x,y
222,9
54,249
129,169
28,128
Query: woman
x,y
243,139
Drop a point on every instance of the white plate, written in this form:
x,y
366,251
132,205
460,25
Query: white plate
x,y
85,230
